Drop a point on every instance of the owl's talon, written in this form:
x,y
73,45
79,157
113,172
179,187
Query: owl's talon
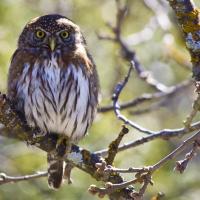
x,y
67,173
62,146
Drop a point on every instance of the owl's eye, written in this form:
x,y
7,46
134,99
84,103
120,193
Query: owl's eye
x,y
64,35
40,34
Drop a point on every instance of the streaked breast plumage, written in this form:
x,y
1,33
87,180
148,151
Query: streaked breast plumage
x,y
56,99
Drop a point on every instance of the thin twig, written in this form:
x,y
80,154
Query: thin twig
x,y
118,89
111,169
13,179
173,154
162,134
173,90
181,165
144,174
126,52
176,152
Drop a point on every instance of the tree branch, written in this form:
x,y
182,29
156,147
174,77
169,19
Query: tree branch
x,y
13,179
163,134
172,91
143,175
189,21
78,157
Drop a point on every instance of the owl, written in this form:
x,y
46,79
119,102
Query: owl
x,y
53,82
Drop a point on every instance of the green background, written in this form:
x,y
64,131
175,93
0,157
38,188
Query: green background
x,y
16,158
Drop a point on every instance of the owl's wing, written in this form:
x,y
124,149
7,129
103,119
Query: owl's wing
x,y
20,58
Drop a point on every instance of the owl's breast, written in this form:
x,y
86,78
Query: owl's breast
x,y
57,99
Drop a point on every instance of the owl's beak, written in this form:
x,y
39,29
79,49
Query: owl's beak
x,y
52,43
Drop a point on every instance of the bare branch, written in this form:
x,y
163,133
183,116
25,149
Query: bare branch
x,y
176,152
13,179
129,54
181,165
118,89
143,175
173,154
173,90
163,134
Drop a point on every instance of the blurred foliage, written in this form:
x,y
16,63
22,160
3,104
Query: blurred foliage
x,y
18,159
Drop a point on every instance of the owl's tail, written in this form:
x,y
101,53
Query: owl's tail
x,y
55,171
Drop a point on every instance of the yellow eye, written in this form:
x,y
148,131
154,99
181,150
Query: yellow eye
x,y
40,34
64,34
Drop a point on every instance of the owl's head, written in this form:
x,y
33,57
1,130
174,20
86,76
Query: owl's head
x,y
50,33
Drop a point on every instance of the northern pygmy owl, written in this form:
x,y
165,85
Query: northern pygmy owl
x,y
53,82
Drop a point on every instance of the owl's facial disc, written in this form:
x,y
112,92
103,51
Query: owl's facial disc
x,y
51,33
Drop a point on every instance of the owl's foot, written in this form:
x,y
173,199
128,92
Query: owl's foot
x,y
67,172
63,146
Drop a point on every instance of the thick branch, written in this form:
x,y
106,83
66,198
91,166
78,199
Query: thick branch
x,y
189,21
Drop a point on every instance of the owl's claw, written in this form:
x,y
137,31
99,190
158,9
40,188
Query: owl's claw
x,y
63,146
67,173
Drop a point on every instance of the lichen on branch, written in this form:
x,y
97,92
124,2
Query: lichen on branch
x,y
189,20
